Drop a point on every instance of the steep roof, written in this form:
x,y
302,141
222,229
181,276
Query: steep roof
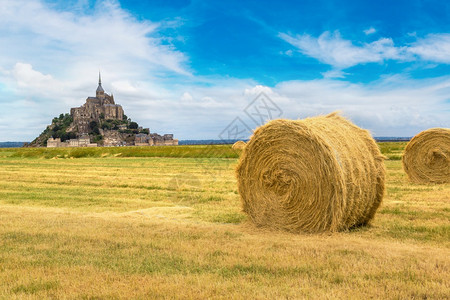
x,y
99,88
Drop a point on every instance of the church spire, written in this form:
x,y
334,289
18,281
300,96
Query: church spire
x,y
100,92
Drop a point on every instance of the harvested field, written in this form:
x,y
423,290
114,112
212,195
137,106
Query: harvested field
x,y
172,227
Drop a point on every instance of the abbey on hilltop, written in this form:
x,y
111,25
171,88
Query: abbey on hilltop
x,y
98,122
102,106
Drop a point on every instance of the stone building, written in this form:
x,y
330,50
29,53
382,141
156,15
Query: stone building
x,y
155,139
95,108
53,143
143,139
83,141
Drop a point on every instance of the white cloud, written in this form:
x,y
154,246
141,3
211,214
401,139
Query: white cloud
x,y
288,52
26,82
393,106
98,39
186,97
434,47
256,90
26,77
332,49
369,31
124,87
334,74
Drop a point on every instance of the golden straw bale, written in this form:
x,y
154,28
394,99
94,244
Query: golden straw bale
x,y
426,158
239,145
312,175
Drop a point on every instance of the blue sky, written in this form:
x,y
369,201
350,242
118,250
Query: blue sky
x,y
191,67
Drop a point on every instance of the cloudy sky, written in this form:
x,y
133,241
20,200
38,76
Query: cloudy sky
x,y
192,67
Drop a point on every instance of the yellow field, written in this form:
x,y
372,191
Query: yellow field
x,y
151,227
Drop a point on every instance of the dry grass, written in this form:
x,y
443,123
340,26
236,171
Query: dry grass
x,y
239,145
172,228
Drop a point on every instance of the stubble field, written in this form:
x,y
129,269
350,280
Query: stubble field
x,y
96,225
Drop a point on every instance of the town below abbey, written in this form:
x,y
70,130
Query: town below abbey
x,y
98,122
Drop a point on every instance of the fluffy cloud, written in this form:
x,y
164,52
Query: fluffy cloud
x,y
369,30
256,90
393,106
332,49
101,37
186,97
334,74
434,47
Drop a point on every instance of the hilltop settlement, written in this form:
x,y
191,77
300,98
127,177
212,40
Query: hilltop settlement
x,y
98,122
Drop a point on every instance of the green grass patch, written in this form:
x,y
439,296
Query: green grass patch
x,y
391,147
193,151
35,287
393,150
231,218
419,233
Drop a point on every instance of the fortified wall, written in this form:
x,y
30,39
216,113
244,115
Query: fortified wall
x,y
84,141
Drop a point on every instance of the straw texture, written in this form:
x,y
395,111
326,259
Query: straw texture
x,y
313,175
427,156
239,145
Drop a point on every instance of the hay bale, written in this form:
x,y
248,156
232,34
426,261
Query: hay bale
x,y
426,158
239,145
312,175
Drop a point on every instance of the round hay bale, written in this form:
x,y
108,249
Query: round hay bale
x,y
239,145
312,175
426,158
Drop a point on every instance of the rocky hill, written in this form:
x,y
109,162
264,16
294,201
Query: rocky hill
x,y
98,122
101,131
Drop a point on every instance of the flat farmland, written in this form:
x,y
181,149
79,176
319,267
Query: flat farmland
x,y
107,223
